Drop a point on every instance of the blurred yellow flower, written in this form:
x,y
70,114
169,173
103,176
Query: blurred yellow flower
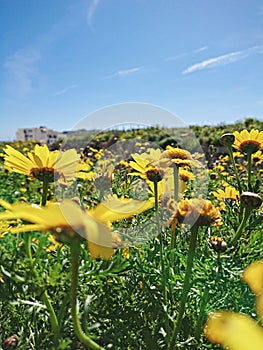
x,y
179,156
42,163
238,331
67,221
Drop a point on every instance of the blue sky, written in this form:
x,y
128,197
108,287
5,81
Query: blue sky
x,y
61,60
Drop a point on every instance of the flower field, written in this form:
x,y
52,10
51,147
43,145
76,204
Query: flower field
x,y
137,239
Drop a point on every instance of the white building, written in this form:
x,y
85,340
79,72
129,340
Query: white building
x,y
41,134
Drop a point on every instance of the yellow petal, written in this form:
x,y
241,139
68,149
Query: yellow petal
x,y
253,276
234,331
114,209
42,153
98,251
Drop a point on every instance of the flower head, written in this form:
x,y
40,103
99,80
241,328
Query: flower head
x,y
196,211
248,142
42,163
179,156
228,194
227,139
251,200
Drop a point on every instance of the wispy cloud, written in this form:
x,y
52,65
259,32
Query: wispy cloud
x,y
64,91
91,10
223,59
124,73
203,48
23,75
173,58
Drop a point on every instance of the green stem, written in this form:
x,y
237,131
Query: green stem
x,y
83,338
186,285
235,169
176,181
249,170
27,239
45,298
176,196
52,317
161,242
201,316
238,233
44,192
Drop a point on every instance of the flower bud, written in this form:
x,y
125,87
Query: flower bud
x,y
227,139
212,176
251,200
218,244
155,175
10,343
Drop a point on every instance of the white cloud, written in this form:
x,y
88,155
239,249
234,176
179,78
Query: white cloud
x,y
223,59
23,76
124,73
63,91
203,48
173,58
91,10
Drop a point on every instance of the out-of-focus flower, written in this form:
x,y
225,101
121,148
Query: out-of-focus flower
x,y
257,158
42,163
84,171
186,175
248,142
236,331
180,157
68,222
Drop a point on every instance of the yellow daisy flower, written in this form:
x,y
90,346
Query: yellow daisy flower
x,y
238,331
185,175
179,156
196,211
248,142
229,193
83,171
257,158
42,163
149,166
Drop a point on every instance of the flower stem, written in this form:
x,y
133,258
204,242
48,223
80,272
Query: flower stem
x,y
201,315
176,196
27,238
52,317
44,192
249,170
186,285
235,169
176,181
161,242
246,214
83,338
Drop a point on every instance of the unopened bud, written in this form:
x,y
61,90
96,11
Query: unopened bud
x,y
251,200
218,244
10,343
212,176
227,139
